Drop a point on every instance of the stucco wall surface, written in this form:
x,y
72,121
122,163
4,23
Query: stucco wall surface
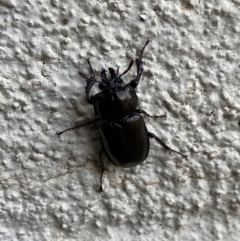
x,y
49,186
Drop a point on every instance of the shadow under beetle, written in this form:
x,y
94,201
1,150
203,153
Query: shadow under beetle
x,y
123,133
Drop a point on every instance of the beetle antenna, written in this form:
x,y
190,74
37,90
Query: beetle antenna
x,y
144,47
129,67
88,61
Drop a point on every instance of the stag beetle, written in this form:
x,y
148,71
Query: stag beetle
x,y
123,133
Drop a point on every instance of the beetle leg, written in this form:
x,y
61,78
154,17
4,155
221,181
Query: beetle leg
x,y
144,47
140,111
102,167
81,125
90,81
151,135
129,67
139,64
133,83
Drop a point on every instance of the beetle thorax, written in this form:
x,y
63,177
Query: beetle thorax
x,y
115,104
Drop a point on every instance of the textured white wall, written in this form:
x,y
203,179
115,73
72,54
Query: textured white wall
x,y
50,186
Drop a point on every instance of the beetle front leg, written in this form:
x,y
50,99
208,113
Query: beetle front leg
x,y
140,111
139,64
102,167
134,82
90,81
81,125
151,135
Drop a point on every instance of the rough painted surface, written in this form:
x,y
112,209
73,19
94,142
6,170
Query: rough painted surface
x,y
49,186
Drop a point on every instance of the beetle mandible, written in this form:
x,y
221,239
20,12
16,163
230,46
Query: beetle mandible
x,y
123,133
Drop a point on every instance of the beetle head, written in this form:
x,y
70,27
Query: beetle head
x,y
107,85
112,83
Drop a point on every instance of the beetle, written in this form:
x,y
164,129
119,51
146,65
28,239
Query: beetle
x,y
123,133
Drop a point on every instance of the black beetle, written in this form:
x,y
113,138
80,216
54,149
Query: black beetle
x,y
123,133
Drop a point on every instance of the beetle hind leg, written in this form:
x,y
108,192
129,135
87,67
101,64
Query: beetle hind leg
x,y
151,135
